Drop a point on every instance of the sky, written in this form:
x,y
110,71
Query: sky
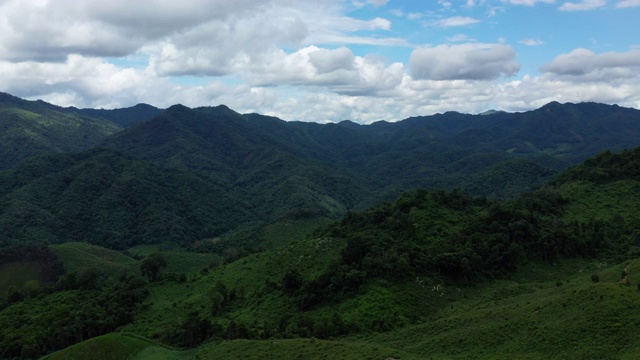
x,y
322,60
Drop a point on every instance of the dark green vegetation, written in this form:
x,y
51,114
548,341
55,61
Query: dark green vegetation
x,y
102,197
214,169
204,233
29,128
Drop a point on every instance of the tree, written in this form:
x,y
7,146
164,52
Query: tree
x,y
291,281
151,266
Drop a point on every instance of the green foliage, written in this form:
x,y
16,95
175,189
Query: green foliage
x,y
79,307
605,167
108,199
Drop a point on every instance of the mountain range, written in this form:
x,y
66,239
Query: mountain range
x,y
271,168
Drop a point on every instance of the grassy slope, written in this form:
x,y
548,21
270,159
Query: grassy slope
x,y
77,256
299,349
530,316
535,320
117,346
171,301
108,347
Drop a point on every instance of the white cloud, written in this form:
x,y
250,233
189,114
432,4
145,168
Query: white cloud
x,y
627,3
465,61
582,5
378,3
528,2
585,65
531,42
338,70
101,28
453,21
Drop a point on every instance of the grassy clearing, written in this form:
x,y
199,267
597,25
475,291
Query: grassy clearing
x,y
161,353
284,232
111,346
189,262
78,256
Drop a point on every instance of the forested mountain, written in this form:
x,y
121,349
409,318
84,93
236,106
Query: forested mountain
x,y
102,197
270,169
29,128
260,161
498,155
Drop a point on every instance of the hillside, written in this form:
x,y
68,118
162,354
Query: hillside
x,y
433,274
29,128
102,197
264,170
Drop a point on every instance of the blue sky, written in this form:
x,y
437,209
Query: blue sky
x,y
330,60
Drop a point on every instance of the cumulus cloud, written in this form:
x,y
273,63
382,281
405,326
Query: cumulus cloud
x,y
585,65
325,60
81,81
338,70
582,5
200,38
100,28
463,62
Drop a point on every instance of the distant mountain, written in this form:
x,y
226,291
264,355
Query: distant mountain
x,y
29,128
265,161
477,153
124,117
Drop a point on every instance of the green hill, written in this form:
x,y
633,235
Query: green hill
x,y
105,198
29,128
